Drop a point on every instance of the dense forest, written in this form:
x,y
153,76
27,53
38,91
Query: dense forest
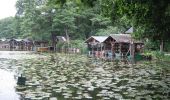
x,y
38,19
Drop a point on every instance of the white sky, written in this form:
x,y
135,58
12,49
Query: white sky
x,y
7,8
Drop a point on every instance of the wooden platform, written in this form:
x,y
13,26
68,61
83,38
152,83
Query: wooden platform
x,y
42,49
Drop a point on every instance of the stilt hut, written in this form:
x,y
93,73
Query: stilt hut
x,y
40,46
20,44
27,44
16,44
119,45
61,41
4,45
96,45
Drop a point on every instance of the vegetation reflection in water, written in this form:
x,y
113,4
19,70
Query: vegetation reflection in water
x,y
78,77
7,81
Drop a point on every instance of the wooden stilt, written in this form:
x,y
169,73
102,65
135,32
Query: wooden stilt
x,y
120,50
132,52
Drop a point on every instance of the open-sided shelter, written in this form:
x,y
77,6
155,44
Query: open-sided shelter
x,y
95,45
121,44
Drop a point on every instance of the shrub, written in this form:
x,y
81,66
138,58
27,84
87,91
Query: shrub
x,y
159,55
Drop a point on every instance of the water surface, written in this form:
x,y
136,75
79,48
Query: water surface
x,y
7,71
7,84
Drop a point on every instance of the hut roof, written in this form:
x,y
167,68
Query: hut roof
x,y
100,39
2,39
18,40
125,38
61,38
15,40
130,30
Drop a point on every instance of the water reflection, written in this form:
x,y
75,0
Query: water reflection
x,y
16,54
7,81
7,84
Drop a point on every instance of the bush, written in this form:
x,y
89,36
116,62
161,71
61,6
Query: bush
x,y
159,55
73,44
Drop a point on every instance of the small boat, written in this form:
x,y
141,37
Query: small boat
x,y
21,83
21,80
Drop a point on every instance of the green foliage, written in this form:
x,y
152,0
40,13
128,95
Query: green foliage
x,y
64,19
167,58
158,55
7,27
73,44
151,45
79,19
75,18
148,15
167,46
32,19
150,18
107,31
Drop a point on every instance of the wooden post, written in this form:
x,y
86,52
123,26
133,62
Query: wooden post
x,y
120,48
112,49
53,37
101,52
13,46
92,50
97,53
132,51
104,51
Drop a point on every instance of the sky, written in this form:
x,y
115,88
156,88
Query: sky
x,y
7,8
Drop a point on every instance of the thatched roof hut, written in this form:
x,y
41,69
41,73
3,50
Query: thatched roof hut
x,y
120,43
114,43
121,38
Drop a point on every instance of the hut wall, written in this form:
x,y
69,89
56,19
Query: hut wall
x,y
4,46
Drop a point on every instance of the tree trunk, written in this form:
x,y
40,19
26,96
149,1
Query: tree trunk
x,y
67,38
53,36
161,46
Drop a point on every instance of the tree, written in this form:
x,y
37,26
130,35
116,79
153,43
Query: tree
x,y
31,17
7,27
77,18
151,16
